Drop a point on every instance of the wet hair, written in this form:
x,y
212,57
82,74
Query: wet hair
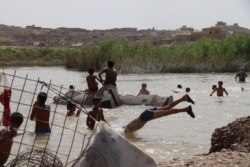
x,y
220,83
42,97
96,99
110,63
214,87
179,86
144,84
17,118
91,71
71,87
188,89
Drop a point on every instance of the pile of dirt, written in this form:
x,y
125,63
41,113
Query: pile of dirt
x,y
230,146
235,136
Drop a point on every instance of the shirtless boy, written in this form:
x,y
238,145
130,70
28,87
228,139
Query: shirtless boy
x,y
110,78
143,90
95,114
41,113
241,75
220,90
71,110
158,112
7,135
91,81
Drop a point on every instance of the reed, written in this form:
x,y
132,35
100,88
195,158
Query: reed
x,y
12,56
204,55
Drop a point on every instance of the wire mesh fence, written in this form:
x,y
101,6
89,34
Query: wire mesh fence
x,y
67,139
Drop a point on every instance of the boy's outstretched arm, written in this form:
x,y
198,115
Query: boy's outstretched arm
x,y
225,91
213,92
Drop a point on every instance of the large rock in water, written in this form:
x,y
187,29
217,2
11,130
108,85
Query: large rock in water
x,y
235,136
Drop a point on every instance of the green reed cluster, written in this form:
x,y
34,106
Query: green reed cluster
x,y
21,56
204,55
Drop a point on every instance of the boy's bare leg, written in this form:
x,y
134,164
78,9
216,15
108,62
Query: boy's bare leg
x,y
174,103
161,113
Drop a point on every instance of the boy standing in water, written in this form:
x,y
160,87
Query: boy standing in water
x,y
91,81
96,114
7,135
41,113
110,78
143,90
220,90
241,75
71,110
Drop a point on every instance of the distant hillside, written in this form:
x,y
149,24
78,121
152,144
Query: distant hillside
x,y
77,37
70,37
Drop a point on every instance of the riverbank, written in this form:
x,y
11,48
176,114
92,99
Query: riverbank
x,y
230,146
225,158
204,55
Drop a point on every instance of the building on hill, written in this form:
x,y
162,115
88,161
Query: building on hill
x,y
235,29
185,28
134,37
220,23
232,29
213,32
33,27
182,37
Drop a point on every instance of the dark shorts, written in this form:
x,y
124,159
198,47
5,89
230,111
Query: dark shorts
x,y
43,130
147,115
70,105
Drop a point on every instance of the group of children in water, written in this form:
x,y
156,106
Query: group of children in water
x,y
41,112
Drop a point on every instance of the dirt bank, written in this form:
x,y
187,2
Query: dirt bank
x,y
230,146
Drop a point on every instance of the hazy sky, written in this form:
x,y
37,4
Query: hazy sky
x,y
141,14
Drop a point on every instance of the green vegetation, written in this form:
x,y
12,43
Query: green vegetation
x,y
11,56
204,55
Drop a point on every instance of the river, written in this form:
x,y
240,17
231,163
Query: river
x,y
173,136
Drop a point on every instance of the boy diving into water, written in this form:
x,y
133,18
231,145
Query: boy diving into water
x,y
158,112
